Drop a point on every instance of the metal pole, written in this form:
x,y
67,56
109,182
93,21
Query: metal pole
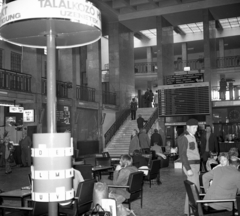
x,y
51,99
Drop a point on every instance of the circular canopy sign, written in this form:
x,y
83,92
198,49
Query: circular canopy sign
x,y
73,22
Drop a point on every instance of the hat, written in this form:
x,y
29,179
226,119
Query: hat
x,y
192,122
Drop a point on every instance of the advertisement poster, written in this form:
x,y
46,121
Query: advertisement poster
x,y
63,118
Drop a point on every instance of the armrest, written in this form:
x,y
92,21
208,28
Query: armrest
x,y
16,208
212,201
143,169
117,186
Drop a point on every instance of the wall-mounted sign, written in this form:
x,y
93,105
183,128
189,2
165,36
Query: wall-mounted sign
x,y
28,115
15,109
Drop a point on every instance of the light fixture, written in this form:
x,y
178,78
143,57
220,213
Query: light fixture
x,y
186,68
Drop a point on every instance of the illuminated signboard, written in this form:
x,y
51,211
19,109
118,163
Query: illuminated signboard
x,y
28,115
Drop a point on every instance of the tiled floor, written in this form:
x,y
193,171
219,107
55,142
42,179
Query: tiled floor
x,y
164,200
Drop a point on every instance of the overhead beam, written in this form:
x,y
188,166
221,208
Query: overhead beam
x,y
178,30
155,4
128,4
141,36
218,25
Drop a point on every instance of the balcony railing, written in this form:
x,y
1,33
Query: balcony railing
x,y
228,61
109,98
232,93
194,64
85,93
145,67
15,81
61,88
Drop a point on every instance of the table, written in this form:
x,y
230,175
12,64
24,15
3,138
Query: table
x,y
16,194
99,169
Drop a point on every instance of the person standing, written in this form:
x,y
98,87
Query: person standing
x,y
144,140
156,137
140,122
26,145
134,144
209,144
189,155
2,159
133,108
223,88
7,154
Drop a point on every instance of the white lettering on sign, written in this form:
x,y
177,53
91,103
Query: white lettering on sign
x,y
69,194
41,197
41,175
56,152
32,152
57,174
69,173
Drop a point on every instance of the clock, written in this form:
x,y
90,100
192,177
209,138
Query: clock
x,y
234,115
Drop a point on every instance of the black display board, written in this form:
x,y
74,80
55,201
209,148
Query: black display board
x,y
184,99
184,78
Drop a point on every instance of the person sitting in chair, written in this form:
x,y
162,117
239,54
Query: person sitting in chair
x,y
225,184
120,177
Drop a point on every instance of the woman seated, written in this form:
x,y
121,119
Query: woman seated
x,y
212,160
158,150
120,178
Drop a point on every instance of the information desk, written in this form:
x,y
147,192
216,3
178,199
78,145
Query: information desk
x,y
225,146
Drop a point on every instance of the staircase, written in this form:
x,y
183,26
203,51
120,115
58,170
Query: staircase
x,y
120,142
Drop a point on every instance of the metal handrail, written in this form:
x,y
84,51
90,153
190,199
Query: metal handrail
x,y
85,93
116,125
109,98
151,120
16,81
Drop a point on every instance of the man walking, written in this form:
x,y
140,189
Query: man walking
x,y
26,145
140,122
133,108
189,155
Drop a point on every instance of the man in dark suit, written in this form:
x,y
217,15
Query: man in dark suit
x,y
156,137
140,121
209,144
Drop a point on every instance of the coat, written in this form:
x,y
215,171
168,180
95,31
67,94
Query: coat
x,y
140,122
120,178
144,141
225,185
134,144
213,144
156,137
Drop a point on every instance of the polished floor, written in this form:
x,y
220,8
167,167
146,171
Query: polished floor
x,y
166,199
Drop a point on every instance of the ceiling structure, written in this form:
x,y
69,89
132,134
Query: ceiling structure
x,y
140,15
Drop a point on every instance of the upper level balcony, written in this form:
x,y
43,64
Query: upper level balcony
x,y
194,64
16,81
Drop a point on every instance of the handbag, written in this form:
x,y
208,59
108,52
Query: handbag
x,y
98,211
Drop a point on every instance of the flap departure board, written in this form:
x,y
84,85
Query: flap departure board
x,y
183,99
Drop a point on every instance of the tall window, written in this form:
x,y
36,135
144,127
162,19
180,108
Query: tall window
x,y
16,62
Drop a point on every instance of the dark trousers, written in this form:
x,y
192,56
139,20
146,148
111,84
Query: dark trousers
x,y
133,114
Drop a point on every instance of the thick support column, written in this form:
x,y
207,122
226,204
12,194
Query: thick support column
x,y
209,33
121,63
184,55
94,75
51,99
149,59
221,52
165,57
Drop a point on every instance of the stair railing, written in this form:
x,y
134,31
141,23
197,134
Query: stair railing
x,y
151,120
116,125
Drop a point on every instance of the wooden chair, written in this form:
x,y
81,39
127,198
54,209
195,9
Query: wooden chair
x,y
38,209
196,206
154,171
82,202
134,187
